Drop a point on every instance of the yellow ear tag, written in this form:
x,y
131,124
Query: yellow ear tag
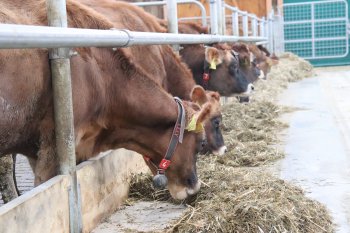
x,y
212,65
193,126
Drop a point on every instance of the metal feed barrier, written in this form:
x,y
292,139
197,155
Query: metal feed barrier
x,y
259,26
315,30
162,3
61,38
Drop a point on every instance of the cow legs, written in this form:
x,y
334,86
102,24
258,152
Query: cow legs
x,y
7,185
14,173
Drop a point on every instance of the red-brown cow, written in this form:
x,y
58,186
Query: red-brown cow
x,y
261,59
213,68
248,66
116,103
174,76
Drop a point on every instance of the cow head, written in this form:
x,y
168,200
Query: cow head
x,y
214,139
247,63
260,58
181,174
225,74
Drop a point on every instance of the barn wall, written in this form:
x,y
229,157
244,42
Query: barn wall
x,y
258,7
103,184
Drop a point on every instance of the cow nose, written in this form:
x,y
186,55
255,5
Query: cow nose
x,y
251,87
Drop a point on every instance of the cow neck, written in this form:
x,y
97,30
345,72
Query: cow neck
x,y
179,78
142,138
176,137
206,75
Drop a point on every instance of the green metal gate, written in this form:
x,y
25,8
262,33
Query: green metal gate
x,y
317,31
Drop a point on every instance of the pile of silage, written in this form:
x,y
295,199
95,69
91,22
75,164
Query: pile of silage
x,y
290,68
236,194
241,199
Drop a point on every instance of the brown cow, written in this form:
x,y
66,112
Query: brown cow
x,y
116,103
173,75
248,66
261,59
213,68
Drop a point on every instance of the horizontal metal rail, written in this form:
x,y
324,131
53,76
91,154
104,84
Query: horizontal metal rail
x,y
160,3
316,21
25,36
316,39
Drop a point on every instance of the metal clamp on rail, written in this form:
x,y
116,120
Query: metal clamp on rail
x,y
130,38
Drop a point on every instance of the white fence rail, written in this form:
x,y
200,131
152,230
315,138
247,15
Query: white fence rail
x,y
24,36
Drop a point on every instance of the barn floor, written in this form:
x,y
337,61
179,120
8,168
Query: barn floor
x,y
317,143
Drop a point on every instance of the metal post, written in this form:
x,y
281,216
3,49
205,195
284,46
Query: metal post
x,y
63,108
245,24
262,27
235,23
213,17
270,31
219,16
223,16
172,19
254,25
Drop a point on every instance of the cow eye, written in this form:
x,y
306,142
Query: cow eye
x,y
217,122
203,143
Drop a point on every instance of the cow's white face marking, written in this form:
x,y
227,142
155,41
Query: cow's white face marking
x,y
181,193
252,57
262,75
221,151
250,88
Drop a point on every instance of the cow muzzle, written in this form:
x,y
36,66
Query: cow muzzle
x,y
181,192
221,151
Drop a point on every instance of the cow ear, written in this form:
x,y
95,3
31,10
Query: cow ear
x,y
204,113
198,95
213,57
213,95
204,30
197,120
271,62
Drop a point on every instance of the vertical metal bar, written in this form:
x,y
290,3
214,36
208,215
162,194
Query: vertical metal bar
x,y
235,23
172,19
313,29
213,17
262,27
254,25
63,107
271,35
245,24
223,10
219,16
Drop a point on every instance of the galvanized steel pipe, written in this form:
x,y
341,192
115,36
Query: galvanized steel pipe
x,y
63,110
219,15
172,19
23,36
213,17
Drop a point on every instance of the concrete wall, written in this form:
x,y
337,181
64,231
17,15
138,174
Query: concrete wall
x,y
103,184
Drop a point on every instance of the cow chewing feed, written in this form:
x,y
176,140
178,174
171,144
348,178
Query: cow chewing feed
x,y
261,59
163,65
247,64
216,69
106,115
213,67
